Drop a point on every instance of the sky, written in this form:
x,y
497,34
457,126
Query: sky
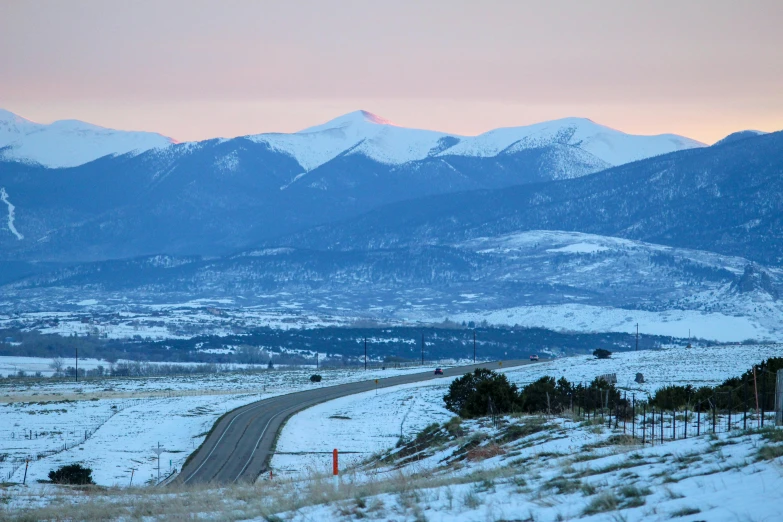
x,y
196,69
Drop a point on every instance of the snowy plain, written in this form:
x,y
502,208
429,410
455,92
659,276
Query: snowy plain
x,y
525,468
126,417
368,423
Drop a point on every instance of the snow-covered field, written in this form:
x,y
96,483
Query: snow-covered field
x,y
12,365
367,423
125,418
525,468
588,318
699,366
357,426
570,472
164,321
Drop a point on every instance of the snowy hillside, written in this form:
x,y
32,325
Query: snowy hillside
x,y
362,132
356,132
612,146
68,143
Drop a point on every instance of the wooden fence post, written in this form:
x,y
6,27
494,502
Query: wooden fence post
x,y
779,398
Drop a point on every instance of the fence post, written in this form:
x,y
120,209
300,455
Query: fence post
x,y
763,391
652,427
674,424
731,405
779,398
714,412
756,390
633,416
661,425
698,418
644,427
745,400
625,409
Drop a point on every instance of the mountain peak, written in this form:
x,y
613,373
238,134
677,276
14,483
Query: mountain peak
x,y
10,117
740,135
360,117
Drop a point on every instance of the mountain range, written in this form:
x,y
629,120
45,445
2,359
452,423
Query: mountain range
x,y
218,196
68,143
565,224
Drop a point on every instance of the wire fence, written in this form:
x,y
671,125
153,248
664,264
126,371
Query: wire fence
x,y
73,439
752,404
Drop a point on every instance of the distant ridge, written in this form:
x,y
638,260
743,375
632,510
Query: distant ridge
x,y
68,143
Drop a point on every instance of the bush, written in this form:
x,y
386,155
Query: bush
x,y
71,474
546,395
315,378
602,354
470,395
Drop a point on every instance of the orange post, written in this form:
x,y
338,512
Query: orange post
x,y
335,468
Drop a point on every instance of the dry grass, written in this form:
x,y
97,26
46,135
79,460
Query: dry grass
x,y
485,452
239,502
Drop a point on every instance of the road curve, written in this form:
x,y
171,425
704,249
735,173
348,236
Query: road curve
x,y
240,445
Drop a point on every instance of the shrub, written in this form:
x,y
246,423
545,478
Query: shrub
x,y
71,474
546,395
602,354
315,378
471,394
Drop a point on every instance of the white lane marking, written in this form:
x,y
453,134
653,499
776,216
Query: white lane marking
x,y
258,442
218,441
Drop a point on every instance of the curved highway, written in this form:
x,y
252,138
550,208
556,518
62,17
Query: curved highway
x,y
240,445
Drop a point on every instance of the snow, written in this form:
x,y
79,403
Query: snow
x,y
69,143
11,227
722,479
612,146
677,365
368,423
575,317
126,417
579,248
364,133
166,321
558,471
11,365
354,133
357,426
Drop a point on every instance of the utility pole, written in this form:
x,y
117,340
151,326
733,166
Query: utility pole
x,y
365,353
316,359
77,365
637,337
422,349
474,346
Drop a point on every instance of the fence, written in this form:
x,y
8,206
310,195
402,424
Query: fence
x,y
18,462
753,403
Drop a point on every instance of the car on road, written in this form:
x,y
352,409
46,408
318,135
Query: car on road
x,y
438,371
534,357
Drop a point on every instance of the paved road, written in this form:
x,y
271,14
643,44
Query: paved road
x,y
240,445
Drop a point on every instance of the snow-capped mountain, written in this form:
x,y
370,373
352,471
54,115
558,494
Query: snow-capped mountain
x,y
609,145
67,143
724,198
362,132
359,132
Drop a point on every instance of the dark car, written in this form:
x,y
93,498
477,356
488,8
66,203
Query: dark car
x,y
438,371
534,357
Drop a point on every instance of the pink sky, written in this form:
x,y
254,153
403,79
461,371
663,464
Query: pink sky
x,y
195,69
